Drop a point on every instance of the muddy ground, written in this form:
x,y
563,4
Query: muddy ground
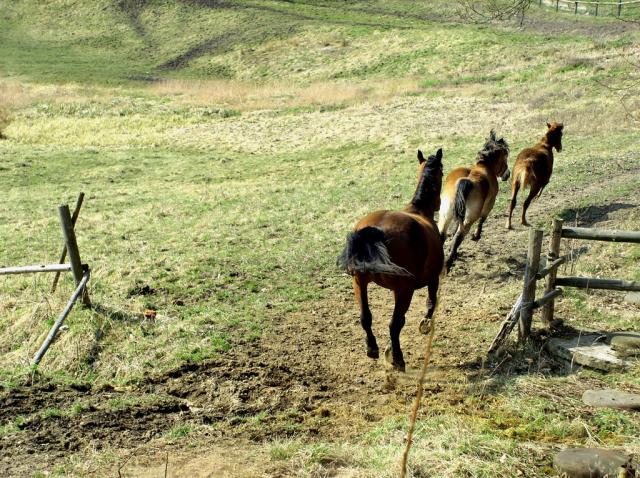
x,y
308,376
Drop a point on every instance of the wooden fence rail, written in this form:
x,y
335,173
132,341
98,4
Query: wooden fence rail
x,y
81,272
58,323
522,311
574,5
57,268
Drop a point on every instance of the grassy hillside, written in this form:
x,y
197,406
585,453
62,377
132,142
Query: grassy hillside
x,y
226,148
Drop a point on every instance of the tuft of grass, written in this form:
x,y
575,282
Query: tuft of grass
x,y
179,431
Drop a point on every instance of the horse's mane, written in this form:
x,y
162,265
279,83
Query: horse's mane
x,y
492,147
427,187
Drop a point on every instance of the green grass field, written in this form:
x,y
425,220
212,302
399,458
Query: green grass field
x,y
225,149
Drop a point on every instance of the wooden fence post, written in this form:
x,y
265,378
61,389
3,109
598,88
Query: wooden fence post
x,y
557,4
552,255
63,255
576,10
619,7
56,326
72,249
597,5
529,289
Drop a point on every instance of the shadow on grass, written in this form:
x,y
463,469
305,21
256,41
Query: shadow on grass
x,y
108,315
590,215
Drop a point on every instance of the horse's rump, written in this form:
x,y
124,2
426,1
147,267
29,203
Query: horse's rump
x,y
366,253
464,187
524,175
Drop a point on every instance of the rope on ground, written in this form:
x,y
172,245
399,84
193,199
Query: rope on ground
x,y
416,404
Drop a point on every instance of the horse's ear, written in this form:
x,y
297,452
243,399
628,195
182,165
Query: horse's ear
x,y
420,157
560,126
492,135
439,154
548,125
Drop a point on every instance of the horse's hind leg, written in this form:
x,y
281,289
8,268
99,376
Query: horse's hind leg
x,y
360,290
462,231
446,216
393,354
532,194
476,235
432,302
514,195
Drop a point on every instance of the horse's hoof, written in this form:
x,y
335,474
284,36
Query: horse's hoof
x,y
373,353
387,354
396,364
400,367
526,224
475,238
425,326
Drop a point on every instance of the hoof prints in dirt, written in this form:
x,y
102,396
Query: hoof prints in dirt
x,y
227,392
232,390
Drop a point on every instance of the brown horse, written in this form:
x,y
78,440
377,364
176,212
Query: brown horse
x,y
400,251
533,169
469,193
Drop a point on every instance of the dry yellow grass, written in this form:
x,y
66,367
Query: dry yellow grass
x,y
245,96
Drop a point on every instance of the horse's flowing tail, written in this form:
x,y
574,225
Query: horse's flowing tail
x,y
366,252
525,177
462,192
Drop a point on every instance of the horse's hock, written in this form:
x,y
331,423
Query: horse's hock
x,y
599,350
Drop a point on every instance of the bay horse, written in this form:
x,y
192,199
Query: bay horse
x,y
400,251
469,193
533,169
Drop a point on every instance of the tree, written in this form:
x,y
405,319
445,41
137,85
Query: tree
x,y
495,10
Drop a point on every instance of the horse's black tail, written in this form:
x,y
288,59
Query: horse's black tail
x,y
366,252
462,192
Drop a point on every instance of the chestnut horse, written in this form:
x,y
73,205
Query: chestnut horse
x,y
400,251
469,193
533,169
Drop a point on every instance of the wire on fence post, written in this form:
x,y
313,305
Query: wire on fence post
x,y
416,404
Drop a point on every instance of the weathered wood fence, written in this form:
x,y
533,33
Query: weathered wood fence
x,y
522,311
592,6
80,271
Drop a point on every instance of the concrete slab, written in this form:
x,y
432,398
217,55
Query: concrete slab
x,y
609,398
625,344
632,298
593,463
587,350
